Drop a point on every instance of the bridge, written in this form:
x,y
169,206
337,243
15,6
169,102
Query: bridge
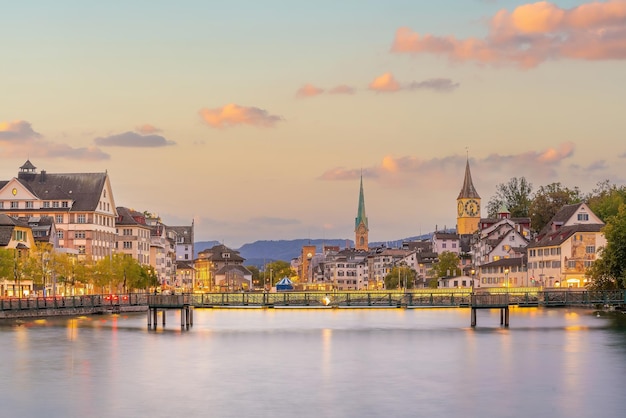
x,y
496,298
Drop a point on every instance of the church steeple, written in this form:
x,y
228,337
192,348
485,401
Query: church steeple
x,y
361,228
468,191
468,205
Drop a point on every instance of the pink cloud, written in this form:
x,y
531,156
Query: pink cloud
x,y
17,130
233,115
405,171
309,90
532,34
385,83
147,129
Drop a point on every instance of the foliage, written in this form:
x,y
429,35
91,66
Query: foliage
x,y
515,195
609,270
257,278
448,265
277,270
400,277
7,263
605,200
548,200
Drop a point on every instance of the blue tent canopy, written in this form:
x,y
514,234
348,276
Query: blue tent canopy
x,y
284,284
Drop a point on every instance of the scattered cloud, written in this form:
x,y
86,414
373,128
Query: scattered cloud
x,y
133,139
309,90
342,89
17,130
436,84
384,83
408,170
19,139
532,34
147,129
388,83
623,155
597,166
233,115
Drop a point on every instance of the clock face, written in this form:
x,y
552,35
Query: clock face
x,y
472,207
460,208
14,191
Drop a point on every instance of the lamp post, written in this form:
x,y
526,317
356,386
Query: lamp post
x,y
472,272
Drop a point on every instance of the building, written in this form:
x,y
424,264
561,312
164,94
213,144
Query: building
x,y
17,236
81,205
504,272
221,268
468,206
566,247
361,228
133,235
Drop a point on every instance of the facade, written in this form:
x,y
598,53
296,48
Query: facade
x,y
468,206
16,236
346,269
214,269
133,235
306,257
361,228
81,205
566,247
445,242
504,272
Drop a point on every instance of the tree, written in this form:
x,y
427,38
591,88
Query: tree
x,y
605,199
7,261
447,265
276,270
515,195
548,200
400,277
608,272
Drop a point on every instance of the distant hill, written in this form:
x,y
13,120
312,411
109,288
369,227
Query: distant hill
x,y
261,252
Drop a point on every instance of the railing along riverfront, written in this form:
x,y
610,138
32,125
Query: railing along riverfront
x,y
340,299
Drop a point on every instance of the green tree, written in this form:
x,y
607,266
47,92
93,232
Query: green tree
x,y
609,270
515,195
400,277
277,270
7,261
606,199
548,200
447,265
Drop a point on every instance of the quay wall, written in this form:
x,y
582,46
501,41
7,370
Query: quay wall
x,y
77,311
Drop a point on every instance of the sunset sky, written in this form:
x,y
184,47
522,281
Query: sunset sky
x,y
256,118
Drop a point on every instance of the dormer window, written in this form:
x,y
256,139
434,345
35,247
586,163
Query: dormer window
x,y
225,255
583,216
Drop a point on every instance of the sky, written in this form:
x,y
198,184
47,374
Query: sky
x,y
257,119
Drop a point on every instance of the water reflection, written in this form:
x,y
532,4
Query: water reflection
x,y
331,363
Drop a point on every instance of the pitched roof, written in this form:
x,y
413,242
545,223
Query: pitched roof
x,y
562,234
562,216
184,232
83,188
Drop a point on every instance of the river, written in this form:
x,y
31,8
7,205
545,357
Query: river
x,y
317,363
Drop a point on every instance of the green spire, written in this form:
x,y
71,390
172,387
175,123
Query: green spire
x,y
361,218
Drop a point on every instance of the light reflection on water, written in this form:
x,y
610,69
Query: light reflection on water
x,y
316,363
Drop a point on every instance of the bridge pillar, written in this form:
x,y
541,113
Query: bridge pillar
x,y
473,317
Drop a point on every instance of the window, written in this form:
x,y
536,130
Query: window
x,y
60,234
19,235
55,204
80,219
443,245
583,216
1,205
588,263
29,204
15,205
454,245
590,249
79,234
128,245
540,252
127,231
511,237
81,249
571,264
46,204
556,264
58,219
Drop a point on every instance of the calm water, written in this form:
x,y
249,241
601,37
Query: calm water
x,y
317,363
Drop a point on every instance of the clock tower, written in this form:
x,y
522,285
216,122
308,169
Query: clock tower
x,y
468,206
361,229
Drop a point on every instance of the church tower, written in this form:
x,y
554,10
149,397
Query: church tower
x,y
468,206
360,223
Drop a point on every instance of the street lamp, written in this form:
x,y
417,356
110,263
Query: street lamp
x,y
472,272
506,277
